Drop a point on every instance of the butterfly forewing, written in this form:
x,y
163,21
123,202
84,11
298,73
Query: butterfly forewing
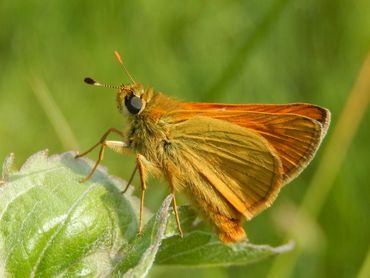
x,y
314,112
294,137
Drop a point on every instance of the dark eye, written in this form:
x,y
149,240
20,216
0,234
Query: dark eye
x,y
133,104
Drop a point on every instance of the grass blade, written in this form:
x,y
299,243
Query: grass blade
x,y
54,114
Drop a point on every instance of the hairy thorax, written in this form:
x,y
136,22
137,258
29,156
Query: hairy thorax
x,y
151,135
148,133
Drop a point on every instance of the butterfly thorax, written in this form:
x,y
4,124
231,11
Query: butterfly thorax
x,y
148,133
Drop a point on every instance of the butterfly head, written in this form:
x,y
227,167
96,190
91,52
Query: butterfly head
x,y
131,99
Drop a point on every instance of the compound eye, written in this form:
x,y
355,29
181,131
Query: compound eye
x,y
133,104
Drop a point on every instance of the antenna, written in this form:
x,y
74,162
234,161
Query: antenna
x,y
91,81
119,59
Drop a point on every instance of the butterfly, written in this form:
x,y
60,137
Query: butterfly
x,y
230,160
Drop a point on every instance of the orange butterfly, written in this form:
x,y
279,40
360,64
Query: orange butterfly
x,y
230,160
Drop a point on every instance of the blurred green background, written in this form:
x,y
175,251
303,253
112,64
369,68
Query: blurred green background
x,y
274,51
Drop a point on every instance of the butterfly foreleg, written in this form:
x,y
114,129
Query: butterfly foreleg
x,y
102,139
117,146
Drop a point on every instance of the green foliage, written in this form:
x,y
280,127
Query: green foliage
x,y
203,249
53,225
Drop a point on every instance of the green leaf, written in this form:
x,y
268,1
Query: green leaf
x,y
200,248
204,250
141,253
53,225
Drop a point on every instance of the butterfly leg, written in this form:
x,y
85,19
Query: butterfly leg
x,y
171,169
130,180
174,205
102,139
121,148
142,163
104,144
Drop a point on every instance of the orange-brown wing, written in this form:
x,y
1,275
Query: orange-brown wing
x,y
236,162
294,136
311,111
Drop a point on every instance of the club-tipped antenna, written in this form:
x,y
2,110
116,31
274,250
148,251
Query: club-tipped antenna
x,y
119,59
90,81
